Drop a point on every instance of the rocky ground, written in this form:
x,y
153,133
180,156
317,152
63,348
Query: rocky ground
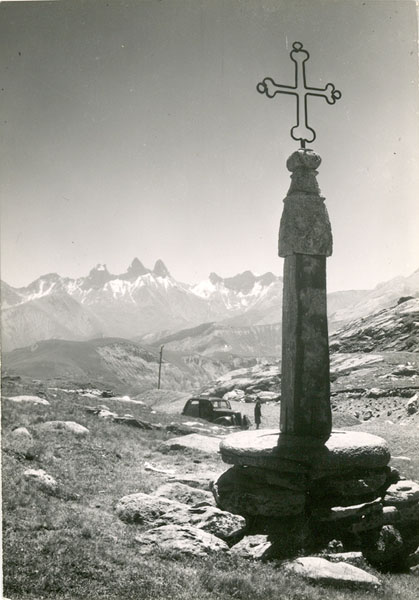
x,y
379,385
108,497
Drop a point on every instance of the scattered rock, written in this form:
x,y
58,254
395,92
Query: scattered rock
x,y
376,393
180,538
352,558
158,469
31,399
45,482
405,371
402,492
21,432
106,414
129,420
338,574
143,508
413,405
256,547
387,549
367,415
335,513
67,426
20,442
234,395
193,441
190,427
220,523
183,493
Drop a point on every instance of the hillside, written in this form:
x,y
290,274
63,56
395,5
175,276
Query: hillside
x,y
374,368
113,362
214,339
395,328
55,316
384,295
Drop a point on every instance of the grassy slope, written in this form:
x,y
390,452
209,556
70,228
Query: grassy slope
x,y
74,547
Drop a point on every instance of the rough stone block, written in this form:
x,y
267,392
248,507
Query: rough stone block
x,y
237,493
320,570
402,493
305,226
180,538
343,451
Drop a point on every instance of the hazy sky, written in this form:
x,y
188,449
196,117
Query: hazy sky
x,y
133,128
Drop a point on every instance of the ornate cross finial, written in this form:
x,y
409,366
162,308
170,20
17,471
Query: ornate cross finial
x,y
301,131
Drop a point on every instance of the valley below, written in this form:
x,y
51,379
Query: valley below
x,y
84,427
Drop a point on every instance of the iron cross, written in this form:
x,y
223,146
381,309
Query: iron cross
x,y
301,131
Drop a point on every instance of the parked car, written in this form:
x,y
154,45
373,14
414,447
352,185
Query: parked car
x,y
215,410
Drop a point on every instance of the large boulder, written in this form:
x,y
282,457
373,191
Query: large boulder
x,y
42,480
402,493
19,441
29,399
355,519
255,547
180,538
183,493
211,519
64,426
143,508
340,574
21,433
387,550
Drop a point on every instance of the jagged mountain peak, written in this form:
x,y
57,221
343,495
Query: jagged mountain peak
x,y
160,269
99,268
136,269
243,282
97,277
214,278
48,278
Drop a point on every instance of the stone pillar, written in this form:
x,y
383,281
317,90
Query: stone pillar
x,y
305,240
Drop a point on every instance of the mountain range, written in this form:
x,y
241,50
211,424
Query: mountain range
x,y
378,350
239,315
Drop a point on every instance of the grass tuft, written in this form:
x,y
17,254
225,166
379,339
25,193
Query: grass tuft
x,y
71,545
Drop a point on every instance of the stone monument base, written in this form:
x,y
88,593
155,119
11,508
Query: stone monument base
x,y
304,494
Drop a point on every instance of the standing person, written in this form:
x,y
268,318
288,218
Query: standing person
x,y
258,413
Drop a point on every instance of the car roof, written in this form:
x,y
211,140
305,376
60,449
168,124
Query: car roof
x,y
209,398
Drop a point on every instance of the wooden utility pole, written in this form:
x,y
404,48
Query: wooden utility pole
x,y
160,362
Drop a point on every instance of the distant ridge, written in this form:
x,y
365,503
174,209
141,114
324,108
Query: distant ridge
x,y
117,363
143,301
